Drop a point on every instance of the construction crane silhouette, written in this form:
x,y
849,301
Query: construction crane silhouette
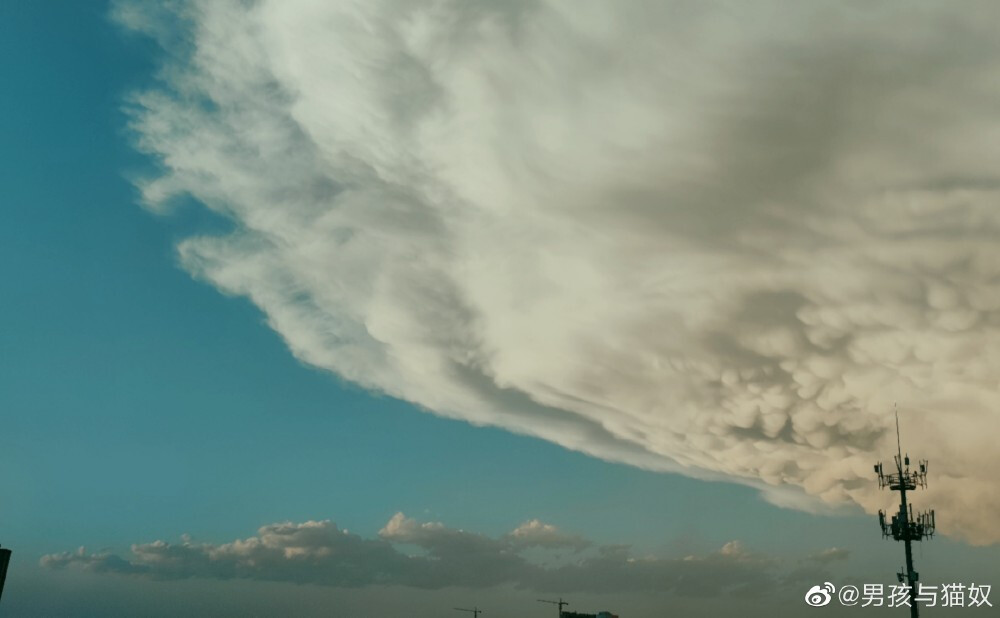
x,y
560,603
474,611
905,526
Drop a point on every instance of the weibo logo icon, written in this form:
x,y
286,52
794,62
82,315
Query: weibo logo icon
x,y
818,596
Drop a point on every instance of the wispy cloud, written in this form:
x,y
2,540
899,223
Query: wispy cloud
x,y
832,554
535,533
321,553
717,238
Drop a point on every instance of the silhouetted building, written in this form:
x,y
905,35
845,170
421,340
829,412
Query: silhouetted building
x,y
4,561
566,614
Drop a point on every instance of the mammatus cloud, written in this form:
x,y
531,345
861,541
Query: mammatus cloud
x,y
714,238
320,553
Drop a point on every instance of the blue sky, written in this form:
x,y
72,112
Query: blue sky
x,y
146,395
140,403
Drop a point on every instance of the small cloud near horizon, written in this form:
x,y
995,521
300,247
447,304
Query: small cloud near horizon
x,y
318,552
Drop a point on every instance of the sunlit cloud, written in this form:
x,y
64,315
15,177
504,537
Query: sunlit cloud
x,y
720,239
320,553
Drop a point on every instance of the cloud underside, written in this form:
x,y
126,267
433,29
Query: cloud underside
x,y
547,560
718,239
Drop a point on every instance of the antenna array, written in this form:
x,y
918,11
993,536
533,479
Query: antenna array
x,y
904,525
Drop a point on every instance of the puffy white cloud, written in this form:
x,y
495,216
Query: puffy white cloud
x,y
535,533
721,239
319,553
101,562
310,552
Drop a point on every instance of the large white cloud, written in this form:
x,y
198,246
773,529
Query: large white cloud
x,y
721,239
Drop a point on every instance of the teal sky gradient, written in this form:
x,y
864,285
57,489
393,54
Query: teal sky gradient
x,y
142,402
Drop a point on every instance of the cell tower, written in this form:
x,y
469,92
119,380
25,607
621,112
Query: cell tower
x,y
904,525
558,603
